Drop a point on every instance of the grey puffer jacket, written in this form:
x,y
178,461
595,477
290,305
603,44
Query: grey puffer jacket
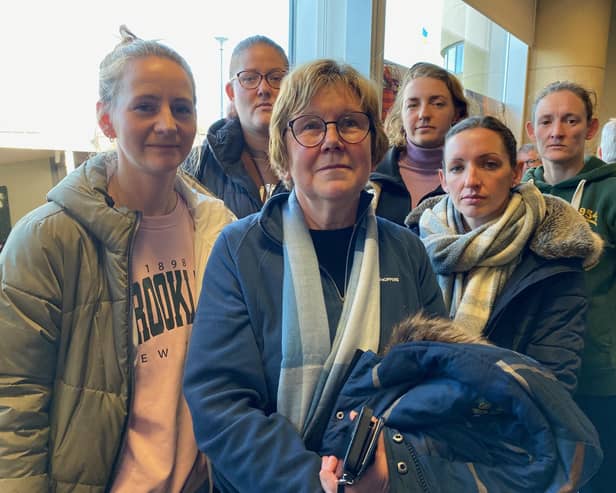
x,y
66,355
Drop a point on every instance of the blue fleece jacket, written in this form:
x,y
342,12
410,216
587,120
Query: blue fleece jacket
x,y
233,365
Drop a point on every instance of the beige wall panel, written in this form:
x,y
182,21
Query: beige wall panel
x,y
571,32
27,183
516,16
538,78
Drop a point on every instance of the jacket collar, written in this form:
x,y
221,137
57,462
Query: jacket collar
x,y
388,170
226,141
83,195
564,233
594,170
270,217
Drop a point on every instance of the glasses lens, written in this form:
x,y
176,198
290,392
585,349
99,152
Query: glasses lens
x,y
308,130
274,78
353,127
249,79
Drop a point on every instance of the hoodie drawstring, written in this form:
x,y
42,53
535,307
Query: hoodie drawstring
x,y
576,200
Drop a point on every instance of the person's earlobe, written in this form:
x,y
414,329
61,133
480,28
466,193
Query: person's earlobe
x,y
518,173
229,90
104,121
593,127
456,119
530,131
441,177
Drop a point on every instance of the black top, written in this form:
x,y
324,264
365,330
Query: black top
x,y
332,247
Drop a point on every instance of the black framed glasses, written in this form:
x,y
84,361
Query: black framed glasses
x,y
310,130
250,79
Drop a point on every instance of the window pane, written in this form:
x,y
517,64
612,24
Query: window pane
x,y
49,85
489,61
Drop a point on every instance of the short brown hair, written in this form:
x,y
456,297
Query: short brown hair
x,y
393,122
297,91
489,123
588,97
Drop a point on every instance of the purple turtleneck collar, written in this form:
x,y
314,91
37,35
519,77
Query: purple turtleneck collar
x,y
424,157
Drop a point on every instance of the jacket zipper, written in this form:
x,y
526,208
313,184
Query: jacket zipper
x,y
131,357
418,470
346,263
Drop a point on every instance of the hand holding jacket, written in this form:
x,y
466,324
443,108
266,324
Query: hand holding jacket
x,y
374,480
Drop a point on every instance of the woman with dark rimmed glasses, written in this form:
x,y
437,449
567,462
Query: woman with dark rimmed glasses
x,y
291,293
233,162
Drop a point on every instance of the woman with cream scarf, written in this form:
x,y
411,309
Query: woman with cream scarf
x,y
508,259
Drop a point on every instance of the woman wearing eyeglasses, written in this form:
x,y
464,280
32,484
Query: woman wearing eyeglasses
x,y
291,293
233,162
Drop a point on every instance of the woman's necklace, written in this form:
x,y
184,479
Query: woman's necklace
x,y
266,189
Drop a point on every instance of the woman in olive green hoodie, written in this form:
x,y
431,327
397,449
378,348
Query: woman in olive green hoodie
x,y
562,121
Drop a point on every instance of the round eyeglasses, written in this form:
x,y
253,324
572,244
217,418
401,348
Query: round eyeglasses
x,y
250,79
310,130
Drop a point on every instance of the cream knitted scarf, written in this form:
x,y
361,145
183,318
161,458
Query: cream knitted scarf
x,y
472,267
312,368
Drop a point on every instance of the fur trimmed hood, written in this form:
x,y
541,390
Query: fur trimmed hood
x,y
421,327
563,233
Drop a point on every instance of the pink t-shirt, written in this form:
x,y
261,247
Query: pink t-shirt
x,y
160,452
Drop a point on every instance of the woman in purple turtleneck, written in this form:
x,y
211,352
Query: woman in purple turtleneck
x,y
429,102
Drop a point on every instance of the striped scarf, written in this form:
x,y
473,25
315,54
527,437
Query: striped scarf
x,y
472,267
312,368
